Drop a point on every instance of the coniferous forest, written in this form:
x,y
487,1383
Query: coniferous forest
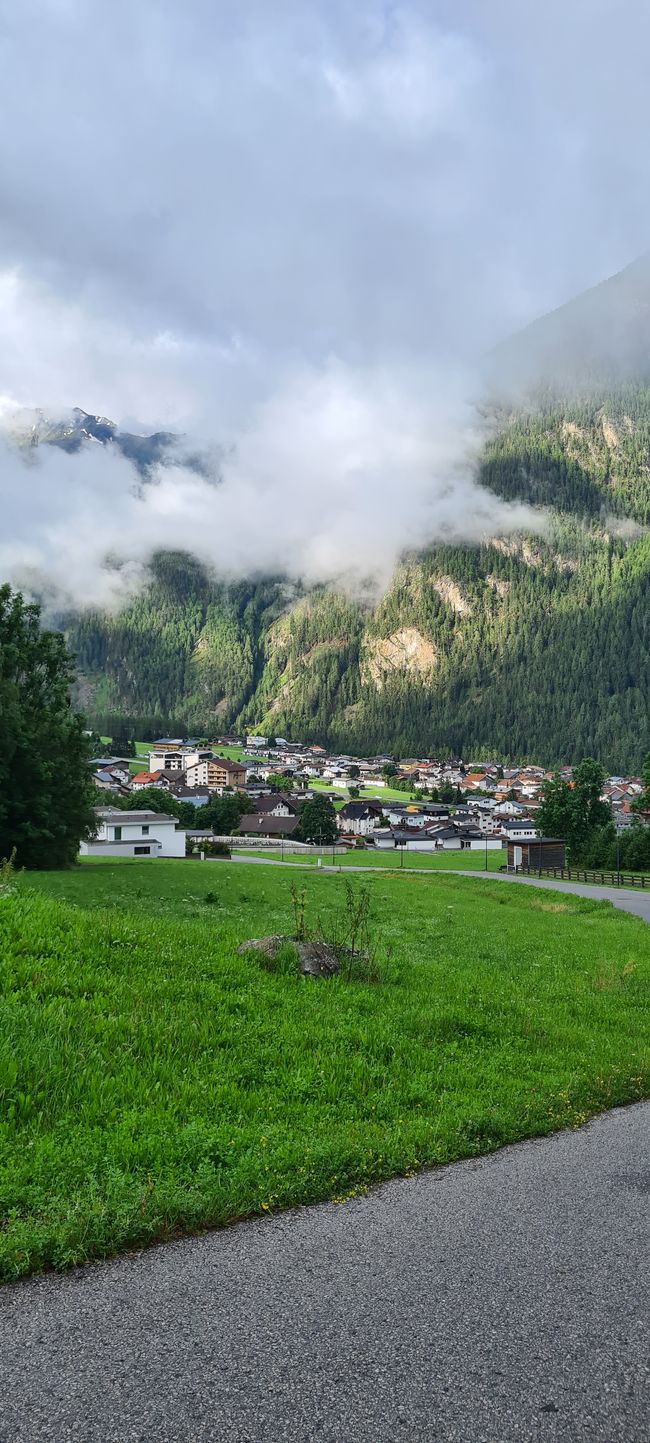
x,y
530,646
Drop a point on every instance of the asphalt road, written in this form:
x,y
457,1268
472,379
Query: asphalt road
x,y
494,1301
638,903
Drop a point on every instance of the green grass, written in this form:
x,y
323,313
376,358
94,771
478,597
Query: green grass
x,y
153,1082
385,861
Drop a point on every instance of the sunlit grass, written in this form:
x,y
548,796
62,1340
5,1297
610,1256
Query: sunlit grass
x,y
154,1082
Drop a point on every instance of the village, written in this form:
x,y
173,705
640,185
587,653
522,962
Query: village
x,y
415,805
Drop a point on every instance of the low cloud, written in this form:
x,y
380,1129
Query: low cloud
x,y
332,480
285,230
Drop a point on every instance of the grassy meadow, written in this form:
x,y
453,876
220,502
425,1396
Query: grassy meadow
x,y
153,1082
386,861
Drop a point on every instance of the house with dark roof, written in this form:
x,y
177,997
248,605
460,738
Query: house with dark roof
x,y
359,819
275,805
265,824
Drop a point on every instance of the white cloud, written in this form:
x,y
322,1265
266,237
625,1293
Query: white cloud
x,y
333,478
417,82
235,220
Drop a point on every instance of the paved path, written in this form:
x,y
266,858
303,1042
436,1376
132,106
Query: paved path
x,y
502,1300
638,903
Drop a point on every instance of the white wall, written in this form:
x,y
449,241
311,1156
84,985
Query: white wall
x,y
171,841
120,849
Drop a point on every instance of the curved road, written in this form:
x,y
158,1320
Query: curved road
x,y
500,1300
638,903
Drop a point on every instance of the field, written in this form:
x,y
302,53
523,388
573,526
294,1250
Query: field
x,y
153,1082
385,861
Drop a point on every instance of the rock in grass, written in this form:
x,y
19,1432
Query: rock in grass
x,y
268,946
315,959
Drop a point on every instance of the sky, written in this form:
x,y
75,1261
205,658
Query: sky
x,y
291,230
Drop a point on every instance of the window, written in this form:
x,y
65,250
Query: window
x,y
142,851
145,831
117,834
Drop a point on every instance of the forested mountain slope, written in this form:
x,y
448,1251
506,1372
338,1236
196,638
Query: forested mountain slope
x,y
527,646
531,647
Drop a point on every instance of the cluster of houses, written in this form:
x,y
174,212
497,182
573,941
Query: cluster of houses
x,y
490,807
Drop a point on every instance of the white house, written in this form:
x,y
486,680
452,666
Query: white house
x,y
360,819
520,829
134,834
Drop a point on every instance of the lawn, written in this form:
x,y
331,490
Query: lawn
x,y
384,860
153,1082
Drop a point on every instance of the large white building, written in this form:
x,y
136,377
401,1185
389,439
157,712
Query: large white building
x,y
177,759
134,834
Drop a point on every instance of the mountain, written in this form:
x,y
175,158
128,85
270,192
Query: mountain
x,y
534,647
71,433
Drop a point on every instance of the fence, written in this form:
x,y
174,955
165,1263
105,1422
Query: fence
x,y
578,874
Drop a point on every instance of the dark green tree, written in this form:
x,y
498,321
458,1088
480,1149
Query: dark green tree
x,y
280,782
575,811
46,793
223,813
642,803
317,821
556,815
122,745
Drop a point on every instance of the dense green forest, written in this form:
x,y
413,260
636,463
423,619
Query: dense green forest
x,y
529,646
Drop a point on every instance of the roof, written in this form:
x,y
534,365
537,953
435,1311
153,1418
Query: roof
x,y
146,777
360,809
264,805
117,814
181,791
254,822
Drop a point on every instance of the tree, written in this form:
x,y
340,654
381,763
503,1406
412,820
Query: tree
x,y
317,821
46,792
354,770
281,782
642,803
389,770
555,817
223,813
575,812
122,745
353,792
591,810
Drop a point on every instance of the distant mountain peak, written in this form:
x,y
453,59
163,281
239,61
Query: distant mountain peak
x,y
78,428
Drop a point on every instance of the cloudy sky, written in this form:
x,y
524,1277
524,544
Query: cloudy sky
x,y
211,210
